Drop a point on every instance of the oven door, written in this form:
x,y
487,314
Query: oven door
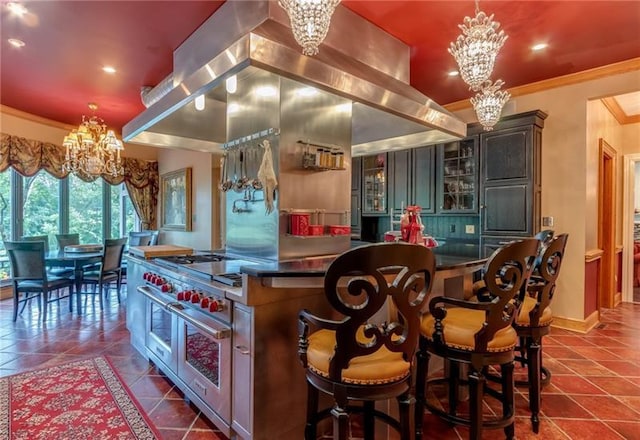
x,y
204,358
161,329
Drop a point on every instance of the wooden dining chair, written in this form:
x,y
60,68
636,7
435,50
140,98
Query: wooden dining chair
x,y
62,272
109,272
142,238
358,358
30,278
476,335
64,240
534,321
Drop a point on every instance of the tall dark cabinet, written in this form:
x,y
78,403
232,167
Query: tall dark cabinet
x,y
412,176
510,179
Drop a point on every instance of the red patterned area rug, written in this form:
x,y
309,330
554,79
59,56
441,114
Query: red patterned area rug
x,y
78,400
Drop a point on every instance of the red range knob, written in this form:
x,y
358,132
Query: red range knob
x,y
204,303
180,295
187,295
145,276
216,306
159,281
166,287
195,298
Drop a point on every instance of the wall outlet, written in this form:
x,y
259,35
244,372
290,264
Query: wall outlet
x,y
452,228
470,229
547,221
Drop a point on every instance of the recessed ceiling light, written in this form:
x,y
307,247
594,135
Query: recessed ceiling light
x,y
17,8
454,73
109,69
539,46
16,43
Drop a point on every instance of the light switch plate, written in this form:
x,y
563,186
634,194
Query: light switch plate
x,y
547,221
470,229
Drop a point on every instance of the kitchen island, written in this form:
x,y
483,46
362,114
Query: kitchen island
x,y
252,385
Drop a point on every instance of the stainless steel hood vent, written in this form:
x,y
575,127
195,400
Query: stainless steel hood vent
x,y
358,61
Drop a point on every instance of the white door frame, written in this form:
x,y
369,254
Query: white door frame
x,y
628,208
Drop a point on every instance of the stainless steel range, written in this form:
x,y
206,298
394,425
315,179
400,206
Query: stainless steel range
x,y
179,317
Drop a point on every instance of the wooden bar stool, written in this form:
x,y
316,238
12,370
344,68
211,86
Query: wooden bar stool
x,y
534,322
477,335
359,358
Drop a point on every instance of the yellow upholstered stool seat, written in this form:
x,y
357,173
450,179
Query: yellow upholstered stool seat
x,y
382,366
461,325
527,305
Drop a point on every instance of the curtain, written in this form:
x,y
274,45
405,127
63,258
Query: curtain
x,y
141,178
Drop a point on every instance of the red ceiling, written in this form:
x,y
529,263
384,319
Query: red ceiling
x,y
67,42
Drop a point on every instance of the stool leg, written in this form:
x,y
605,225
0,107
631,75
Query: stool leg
x,y
508,398
310,429
340,423
534,373
369,420
422,372
406,416
476,392
454,384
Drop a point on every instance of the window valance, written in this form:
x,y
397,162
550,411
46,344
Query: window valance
x,y
28,156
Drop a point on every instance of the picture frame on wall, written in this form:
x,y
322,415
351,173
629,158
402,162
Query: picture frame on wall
x,y
175,200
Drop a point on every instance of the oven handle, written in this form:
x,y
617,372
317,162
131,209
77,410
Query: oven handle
x,y
222,333
146,291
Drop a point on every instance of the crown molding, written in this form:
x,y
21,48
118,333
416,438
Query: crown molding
x,y
561,81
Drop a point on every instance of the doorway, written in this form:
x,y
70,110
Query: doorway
x,y
631,180
606,225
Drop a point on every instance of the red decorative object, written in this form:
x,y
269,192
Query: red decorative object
x,y
299,224
316,229
81,399
411,226
339,230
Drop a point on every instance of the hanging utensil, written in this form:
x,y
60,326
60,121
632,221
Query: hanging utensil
x,y
267,176
255,182
223,172
238,185
228,183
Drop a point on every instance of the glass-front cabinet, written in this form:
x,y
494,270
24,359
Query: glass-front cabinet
x,y
458,177
374,190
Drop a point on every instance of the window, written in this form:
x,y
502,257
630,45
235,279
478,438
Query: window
x,y
85,209
42,204
5,222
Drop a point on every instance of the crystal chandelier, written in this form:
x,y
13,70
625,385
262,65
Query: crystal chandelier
x,y
488,103
310,21
92,149
476,49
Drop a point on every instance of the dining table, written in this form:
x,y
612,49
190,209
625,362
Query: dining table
x,y
78,260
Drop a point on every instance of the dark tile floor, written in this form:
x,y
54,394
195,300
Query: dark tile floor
x,y
594,392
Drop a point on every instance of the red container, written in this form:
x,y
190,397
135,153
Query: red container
x,y
299,224
339,230
316,229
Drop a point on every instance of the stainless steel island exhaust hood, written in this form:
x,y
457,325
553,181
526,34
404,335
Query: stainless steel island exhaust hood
x,y
358,61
